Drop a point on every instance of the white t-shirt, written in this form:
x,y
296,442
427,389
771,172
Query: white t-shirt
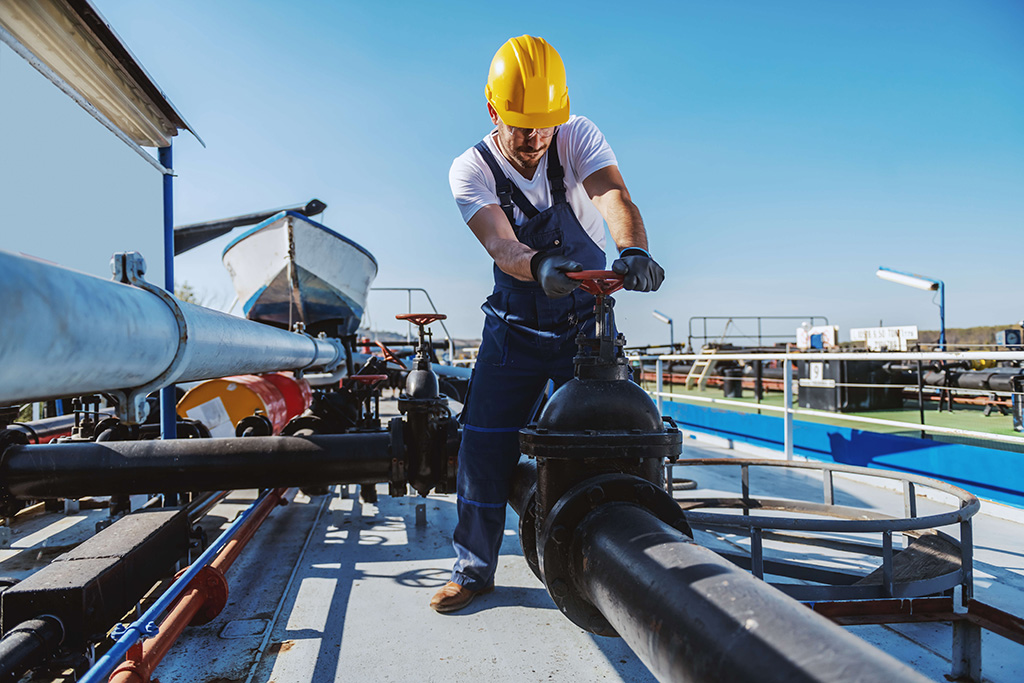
x,y
582,150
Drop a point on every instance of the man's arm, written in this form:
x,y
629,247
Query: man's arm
x,y
608,191
491,227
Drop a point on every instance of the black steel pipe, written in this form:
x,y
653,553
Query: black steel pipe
x,y
74,470
27,645
691,615
46,428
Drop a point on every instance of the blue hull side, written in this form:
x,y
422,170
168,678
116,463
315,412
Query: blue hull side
x,y
986,472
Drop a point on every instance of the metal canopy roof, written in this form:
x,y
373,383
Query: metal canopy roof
x,y
79,47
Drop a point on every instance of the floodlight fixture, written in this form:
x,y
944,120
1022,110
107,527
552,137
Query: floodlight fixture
x,y
925,283
908,279
671,327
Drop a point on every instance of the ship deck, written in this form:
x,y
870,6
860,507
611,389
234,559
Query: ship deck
x,y
336,589
332,589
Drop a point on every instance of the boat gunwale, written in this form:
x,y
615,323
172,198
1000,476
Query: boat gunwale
x,y
283,214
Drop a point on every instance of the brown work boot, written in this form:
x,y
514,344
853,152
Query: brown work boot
x,y
452,597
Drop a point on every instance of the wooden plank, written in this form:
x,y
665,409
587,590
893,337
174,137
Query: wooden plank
x,y
927,556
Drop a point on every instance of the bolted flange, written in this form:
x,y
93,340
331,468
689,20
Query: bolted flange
x,y
523,498
556,542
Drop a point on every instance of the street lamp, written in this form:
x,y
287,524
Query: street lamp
x,y
925,283
671,328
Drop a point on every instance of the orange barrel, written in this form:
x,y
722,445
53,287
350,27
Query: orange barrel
x,y
220,404
296,392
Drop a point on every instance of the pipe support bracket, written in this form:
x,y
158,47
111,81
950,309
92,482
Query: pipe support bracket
x,y
132,407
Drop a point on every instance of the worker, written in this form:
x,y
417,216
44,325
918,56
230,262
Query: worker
x,y
536,192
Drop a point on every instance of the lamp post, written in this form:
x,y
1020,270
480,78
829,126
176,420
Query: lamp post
x,y
925,283
671,328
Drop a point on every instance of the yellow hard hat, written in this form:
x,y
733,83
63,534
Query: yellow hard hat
x,y
526,84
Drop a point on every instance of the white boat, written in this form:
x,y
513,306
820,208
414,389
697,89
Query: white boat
x,y
291,269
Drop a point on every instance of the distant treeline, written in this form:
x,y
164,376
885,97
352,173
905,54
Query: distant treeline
x,y
956,336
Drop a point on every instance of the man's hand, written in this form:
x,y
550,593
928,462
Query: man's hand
x,y
641,272
550,271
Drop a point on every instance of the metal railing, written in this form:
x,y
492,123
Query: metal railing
x,y
828,516
433,308
789,412
761,335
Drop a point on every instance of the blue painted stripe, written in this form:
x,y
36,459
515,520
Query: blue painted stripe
x,y
491,430
490,506
247,306
993,473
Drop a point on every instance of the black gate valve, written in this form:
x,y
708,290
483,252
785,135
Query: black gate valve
x,y
422,382
599,422
599,440
429,438
600,356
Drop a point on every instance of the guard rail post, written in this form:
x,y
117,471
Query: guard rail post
x,y
658,383
788,406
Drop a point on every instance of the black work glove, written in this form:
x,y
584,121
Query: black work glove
x,y
642,273
549,269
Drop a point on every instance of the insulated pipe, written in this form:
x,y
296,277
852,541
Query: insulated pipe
x,y
28,644
139,666
68,333
75,470
691,615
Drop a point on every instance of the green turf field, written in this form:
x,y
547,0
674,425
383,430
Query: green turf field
x,y
967,417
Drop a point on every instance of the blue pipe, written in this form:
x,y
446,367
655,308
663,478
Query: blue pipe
x,y
168,396
146,624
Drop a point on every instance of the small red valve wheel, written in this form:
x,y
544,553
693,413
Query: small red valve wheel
x,y
368,379
421,318
389,355
598,282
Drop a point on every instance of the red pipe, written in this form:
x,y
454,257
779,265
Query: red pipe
x,y
200,603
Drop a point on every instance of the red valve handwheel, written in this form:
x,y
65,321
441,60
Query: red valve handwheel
x,y
389,355
421,318
598,282
368,379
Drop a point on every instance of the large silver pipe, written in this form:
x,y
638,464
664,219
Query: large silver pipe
x,y
67,333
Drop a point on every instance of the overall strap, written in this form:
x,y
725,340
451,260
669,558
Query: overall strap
x,y
556,174
508,192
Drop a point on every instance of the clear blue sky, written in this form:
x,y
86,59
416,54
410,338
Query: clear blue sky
x,y
779,151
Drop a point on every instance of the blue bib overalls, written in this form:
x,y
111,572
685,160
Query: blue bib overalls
x,y
528,339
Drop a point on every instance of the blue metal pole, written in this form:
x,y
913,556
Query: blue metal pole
x,y
168,396
942,316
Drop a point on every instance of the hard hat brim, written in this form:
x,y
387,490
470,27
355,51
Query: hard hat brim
x,y
548,119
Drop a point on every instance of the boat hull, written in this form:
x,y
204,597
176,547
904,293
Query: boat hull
x,y
291,269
